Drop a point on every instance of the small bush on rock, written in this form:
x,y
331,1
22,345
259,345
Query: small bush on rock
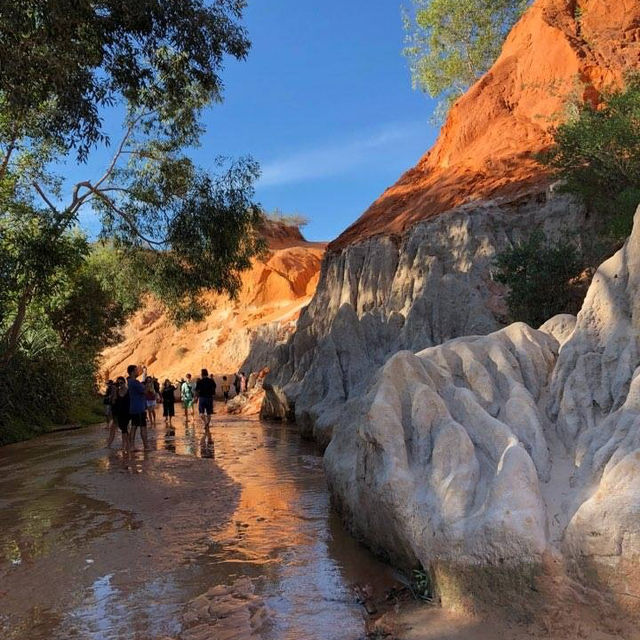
x,y
543,279
597,157
422,585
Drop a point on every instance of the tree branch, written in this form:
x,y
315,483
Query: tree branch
x,y
120,150
11,338
152,244
10,149
43,195
7,157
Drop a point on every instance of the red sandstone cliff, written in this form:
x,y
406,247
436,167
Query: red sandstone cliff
x,y
273,293
558,49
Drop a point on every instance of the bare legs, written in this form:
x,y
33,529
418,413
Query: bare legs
x,y
112,433
205,416
143,434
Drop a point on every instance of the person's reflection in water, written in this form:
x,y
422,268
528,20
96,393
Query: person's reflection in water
x,y
190,441
170,439
207,449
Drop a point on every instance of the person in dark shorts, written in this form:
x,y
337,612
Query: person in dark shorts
x,y
137,406
205,391
121,410
168,402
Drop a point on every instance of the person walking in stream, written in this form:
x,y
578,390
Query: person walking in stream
x,y
137,406
168,402
226,389
205,391
106,401
121,410
187,393
151,400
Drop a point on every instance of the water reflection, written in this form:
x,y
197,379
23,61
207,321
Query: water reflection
x,y
282,535
170,439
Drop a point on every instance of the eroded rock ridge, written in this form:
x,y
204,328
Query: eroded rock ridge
x,y
488,452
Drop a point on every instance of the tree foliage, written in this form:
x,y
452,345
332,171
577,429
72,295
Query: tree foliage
x,y
596,155
288,219
451,43
175,228
61,60
541,277
66,59
72,314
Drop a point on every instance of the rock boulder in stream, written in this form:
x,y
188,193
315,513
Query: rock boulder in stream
x,y
484,456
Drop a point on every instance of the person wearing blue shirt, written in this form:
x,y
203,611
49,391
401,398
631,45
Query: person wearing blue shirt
x,y
137,405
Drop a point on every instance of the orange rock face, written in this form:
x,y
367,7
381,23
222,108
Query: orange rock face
x,y
558,50
273,293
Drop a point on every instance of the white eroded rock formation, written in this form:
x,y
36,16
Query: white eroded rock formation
x,y
492,452
386,294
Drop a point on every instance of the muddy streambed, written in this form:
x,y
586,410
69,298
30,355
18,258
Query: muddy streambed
x,y
94,546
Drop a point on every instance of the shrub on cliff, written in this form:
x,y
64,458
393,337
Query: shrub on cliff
x,y
597,157
543,279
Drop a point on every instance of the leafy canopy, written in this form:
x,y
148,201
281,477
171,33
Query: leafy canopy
x,y
596,155
61,60
451,43
61,63
175,229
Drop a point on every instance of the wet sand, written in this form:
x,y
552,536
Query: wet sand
x,y
95,546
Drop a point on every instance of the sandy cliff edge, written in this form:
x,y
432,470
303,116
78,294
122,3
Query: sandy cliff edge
x,y
486,148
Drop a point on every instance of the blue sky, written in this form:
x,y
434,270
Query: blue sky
x,y
324,103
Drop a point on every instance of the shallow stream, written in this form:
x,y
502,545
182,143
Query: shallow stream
x,y
95,546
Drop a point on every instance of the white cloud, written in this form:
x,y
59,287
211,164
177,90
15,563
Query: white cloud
x,y
336,158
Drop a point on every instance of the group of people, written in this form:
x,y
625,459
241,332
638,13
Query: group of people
x,y
132,403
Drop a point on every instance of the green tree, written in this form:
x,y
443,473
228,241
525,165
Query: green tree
x,y
61,60
596,155
71,316
541,277
118,271
174,229
61,63
451,43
